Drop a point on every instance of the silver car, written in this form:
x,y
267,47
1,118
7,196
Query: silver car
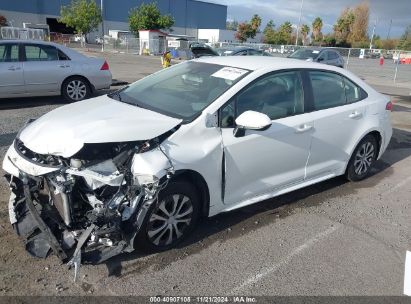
x,y
325,56
38,68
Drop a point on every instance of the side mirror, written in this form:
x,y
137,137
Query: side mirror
x,y
251,120
320,59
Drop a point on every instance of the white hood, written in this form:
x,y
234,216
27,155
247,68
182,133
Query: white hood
x,y
65,130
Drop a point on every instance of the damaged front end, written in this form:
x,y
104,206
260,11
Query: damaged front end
x,y
89,207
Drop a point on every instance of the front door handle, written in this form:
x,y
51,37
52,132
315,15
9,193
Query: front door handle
x,y
303,128
13,68
355,115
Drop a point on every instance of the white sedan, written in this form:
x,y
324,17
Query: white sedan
x,y
36,68
137,168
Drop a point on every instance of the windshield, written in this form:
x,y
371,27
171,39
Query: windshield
x,y
183,90
305,54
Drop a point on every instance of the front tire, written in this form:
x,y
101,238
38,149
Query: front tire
x,y
171,219
75,89
362,159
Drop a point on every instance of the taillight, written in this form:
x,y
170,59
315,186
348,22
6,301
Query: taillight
x,y
389,106
105,66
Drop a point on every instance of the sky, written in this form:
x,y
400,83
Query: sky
x,y
382,11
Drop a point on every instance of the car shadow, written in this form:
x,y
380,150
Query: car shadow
x,y
241,221
31,102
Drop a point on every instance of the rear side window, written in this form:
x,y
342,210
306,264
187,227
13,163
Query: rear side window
x,y
353,92
328,89
332,55
40,53
62,56
9,53
254,53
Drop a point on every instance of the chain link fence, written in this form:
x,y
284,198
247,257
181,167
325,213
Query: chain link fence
x,y
382,66
9,32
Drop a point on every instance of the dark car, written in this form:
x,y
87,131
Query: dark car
x,y
326,56
200,50
241,51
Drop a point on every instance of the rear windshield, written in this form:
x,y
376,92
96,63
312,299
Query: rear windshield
x,y
305,54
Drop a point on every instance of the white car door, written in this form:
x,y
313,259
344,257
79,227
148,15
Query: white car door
x,y
338,115
43,71
263,161
11,71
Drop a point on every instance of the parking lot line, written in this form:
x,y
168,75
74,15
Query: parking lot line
x,y
261,275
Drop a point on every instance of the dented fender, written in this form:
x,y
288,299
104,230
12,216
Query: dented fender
x,y
13,163
150,165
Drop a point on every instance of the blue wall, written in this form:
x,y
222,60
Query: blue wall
x,y
186,13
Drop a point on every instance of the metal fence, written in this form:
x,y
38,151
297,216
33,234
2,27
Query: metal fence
x,y
9,32
366,63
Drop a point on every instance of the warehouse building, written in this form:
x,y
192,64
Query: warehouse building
x,y
189,15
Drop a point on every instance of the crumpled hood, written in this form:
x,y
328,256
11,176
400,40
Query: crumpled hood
x,y
65,130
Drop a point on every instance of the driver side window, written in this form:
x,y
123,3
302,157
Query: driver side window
x,y
278,95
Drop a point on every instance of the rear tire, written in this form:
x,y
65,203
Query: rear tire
x,y
362,159
75,89
171,220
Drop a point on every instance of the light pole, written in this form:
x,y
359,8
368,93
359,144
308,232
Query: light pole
x,y
102,24
373,31
299,22
389,30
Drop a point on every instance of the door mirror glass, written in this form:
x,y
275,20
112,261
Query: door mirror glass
x,y
251,120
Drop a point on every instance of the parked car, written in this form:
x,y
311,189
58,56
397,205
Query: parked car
x,y
37,68
241,51
79,38
138,167
200,49
326,56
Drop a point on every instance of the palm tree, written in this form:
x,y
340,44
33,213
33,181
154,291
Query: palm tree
x,y
317,26
305,29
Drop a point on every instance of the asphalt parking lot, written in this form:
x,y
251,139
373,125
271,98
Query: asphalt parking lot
x,y
333,238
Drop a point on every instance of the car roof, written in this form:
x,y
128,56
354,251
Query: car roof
x,y
265,62
70,52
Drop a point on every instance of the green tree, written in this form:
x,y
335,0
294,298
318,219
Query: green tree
x,y
244,31
317,26
305,30
405,40
3,21
148,17
284,32
343,27
232,25
269,32
82,15
255,24
247,30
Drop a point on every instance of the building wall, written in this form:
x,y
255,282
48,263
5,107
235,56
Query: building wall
x,y
217,35
186,13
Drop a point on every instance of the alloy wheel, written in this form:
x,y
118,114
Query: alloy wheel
x,y
170,219
364,158
76,89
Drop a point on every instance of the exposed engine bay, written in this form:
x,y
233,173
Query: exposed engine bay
x,y
88,207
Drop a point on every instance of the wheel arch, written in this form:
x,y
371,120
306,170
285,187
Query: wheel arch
x,y
80,76
378,137
196,179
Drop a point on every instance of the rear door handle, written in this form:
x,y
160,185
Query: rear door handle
x,y
355,114
303,128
